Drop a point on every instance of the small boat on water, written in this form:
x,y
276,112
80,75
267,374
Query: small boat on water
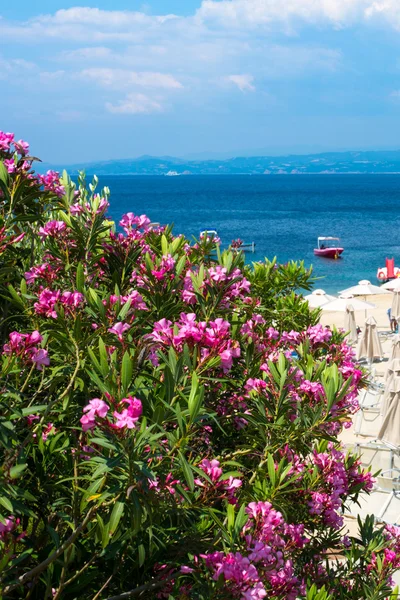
x,y
328,247
388,272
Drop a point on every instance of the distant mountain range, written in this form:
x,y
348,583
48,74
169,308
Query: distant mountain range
x,y
325,163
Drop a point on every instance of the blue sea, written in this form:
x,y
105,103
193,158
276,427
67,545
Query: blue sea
x,y
282,214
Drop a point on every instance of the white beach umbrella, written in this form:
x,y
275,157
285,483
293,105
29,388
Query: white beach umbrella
x,y
395,348
395,313
345,300
350,324
364,288
318,298
392,285
390,429
392,374
369,346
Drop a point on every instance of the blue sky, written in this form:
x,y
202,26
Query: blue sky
x,y
121,78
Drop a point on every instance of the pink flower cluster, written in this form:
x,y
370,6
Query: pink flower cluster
x,y
7,140
25,346
213,338
166,266
51,183
46,305
231,286
8,527
229,486
52,229
318,334
124,419
131,221
265,569
337,482
45,271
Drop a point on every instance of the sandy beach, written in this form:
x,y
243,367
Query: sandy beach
x,y
382,303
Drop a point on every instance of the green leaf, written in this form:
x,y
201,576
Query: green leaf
x,y
271,469
196,397
80,278
6,503
126,372
142,555
3,173
17,470
164,245
187,471
115,518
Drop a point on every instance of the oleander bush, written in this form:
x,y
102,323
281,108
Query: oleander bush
x,y
169,415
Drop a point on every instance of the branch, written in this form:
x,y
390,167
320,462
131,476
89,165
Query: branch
x,y
49,560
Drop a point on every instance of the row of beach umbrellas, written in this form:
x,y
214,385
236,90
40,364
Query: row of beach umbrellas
x,y
369,345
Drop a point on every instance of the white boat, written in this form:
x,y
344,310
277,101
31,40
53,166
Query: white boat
x,y
388,272
211,234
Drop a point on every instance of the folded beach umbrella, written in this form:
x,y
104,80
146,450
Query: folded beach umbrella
x,y
344,300
318,298
350,324
364,288
390,428
395,314
395,348
392,374
369,346
392,285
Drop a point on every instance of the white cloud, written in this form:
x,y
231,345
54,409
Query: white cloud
x,y
121,78
395,95
241,13
83,23
87,54
135,104
243,82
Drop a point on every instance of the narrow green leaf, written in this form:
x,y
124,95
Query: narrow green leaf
x,y
17,470
6,503
115,518
187,471
80,278
126,372
271,469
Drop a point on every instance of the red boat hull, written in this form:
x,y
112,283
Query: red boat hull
x,y
328,252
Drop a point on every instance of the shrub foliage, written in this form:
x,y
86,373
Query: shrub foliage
x,y
169,415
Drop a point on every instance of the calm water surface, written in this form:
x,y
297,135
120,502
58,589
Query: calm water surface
x,y
283,215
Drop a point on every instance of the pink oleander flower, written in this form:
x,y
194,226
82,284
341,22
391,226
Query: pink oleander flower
x,y
119,329
211,468
9,525
51,183
318,334
76,209
130,220
23,345
162,331
22,147
72,299
129,416
6,139
10,165
47,302
96,407
40,358
52,229
227,357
